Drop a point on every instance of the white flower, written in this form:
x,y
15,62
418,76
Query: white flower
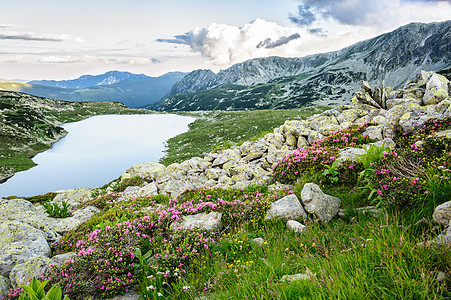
x,y
151,287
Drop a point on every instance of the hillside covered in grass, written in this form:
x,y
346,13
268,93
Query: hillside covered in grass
x,y
350,203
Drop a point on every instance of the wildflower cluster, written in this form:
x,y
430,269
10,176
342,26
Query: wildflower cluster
x,y
322,152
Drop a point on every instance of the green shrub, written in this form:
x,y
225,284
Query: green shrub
x,y
56,210
35,291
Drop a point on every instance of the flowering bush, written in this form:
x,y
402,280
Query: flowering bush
x,y
322,152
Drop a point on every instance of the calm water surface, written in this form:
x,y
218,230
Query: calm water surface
x,y
96,151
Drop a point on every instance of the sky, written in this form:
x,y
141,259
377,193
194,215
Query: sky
x,y
61,39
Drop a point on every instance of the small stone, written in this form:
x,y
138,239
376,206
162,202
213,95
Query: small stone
x,y
258,240
295,277
296,226
442,213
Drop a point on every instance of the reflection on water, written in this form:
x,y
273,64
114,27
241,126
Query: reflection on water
x,y
96,151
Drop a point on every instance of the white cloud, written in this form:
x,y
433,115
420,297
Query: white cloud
x,y
90,59
381,14
225,44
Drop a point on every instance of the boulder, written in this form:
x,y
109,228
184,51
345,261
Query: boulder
x,y
60,259
387,142
296,226
393,116
147,171
16,209
323,206
215,173
411,121
210,221
445,237
22,273
149,189
73,197
288,208
436,90
12,255
348,156
313,136
17,233
442,213
253,150
296,128
350,115
226,156
85,213
374,132
5,285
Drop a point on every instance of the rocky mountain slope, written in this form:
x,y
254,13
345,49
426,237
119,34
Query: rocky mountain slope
x,y
85,81
133,92
326,79
30,124
223,207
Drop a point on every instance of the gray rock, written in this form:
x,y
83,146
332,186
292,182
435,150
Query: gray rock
x,y
73,197
288,208
60,259
374,132
215,173
85,213
349,155
5,285
296,226
258,240
313,136
14,232
35,266
16,209
387,142
147,171
323,206
445,237
132,295
295,277
12,255
436,90
442,213
210,221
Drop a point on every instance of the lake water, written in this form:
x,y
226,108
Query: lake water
x,y
96,151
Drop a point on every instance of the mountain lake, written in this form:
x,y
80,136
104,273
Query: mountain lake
x,y
96,151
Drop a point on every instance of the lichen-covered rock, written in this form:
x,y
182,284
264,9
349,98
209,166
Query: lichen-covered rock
x,y
374,132
5,285
16,209
411,121
147,171
175,186
14,232
215,173
296,128
313,136
445,237
350,115
253,150
348,156
288,208
60,259
393,116
226,156
296,226
73,197
290,140
436,90
442,213
149,189
323,206
85,213
210,221
390,103
12,255
387,142
35,266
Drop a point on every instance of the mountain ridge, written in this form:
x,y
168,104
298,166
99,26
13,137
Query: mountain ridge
x,y
324,79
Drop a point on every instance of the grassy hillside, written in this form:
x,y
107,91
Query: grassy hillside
x,y
29,125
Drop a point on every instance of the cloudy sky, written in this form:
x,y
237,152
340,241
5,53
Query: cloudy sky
x,y
64,39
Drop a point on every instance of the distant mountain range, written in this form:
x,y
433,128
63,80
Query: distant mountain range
x,y
326,79
130,89
86,81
